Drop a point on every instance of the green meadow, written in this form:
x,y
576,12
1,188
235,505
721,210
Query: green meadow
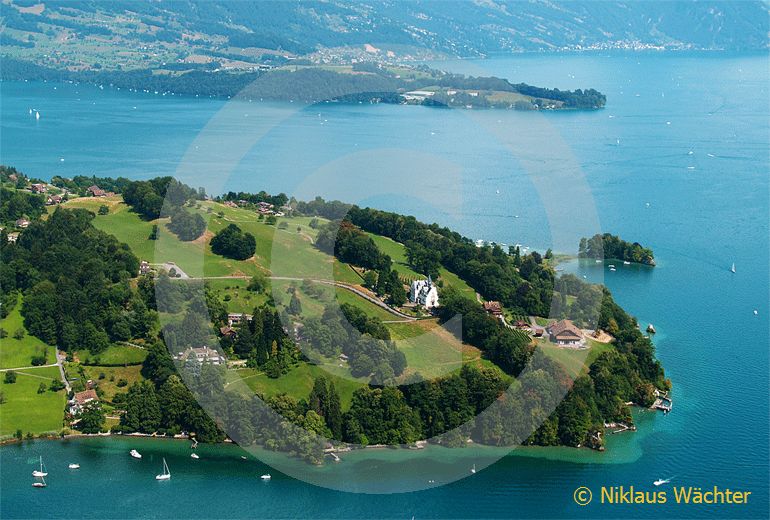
x,y
115,355
22,396
297,383
19,352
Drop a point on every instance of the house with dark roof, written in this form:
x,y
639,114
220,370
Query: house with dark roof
x,y
96,191
565,332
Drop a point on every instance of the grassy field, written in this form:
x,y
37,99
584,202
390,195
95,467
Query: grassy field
x,y
19,353
115,355
298,383
575,362
112,375
27,410
283,252
240,299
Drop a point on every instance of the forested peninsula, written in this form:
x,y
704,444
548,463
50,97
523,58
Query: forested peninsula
x,y
358,83
319,375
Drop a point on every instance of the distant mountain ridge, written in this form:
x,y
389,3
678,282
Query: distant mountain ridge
x,y
164,29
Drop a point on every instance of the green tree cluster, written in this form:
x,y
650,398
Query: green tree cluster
x,y
232,242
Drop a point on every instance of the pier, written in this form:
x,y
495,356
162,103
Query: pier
x,y
662,402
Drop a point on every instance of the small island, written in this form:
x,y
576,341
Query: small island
x,y
612,247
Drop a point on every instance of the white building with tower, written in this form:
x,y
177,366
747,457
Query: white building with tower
x,y
424,292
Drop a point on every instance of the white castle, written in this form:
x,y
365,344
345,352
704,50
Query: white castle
x,y
423,292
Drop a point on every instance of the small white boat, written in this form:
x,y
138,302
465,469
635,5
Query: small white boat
x,y
732,268
42,472
756,312
244,457
194,456
74,466
662,481
40,484
135,454
166,475
598,261
611,266
473,469
626,262
30,111
613,269
266,476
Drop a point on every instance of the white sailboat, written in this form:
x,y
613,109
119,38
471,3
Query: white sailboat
x,y
37,115
473,469
166,475
42,472
732,268
39,484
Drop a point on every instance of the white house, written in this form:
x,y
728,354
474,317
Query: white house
x,y
424,292
203,355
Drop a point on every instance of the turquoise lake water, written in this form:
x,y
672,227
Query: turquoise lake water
x,y
539,179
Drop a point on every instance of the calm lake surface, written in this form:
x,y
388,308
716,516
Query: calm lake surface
x,y
678,160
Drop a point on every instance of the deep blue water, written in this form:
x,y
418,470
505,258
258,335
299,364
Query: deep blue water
x,y
563,174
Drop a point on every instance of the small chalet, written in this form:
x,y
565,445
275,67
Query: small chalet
x,y
493,308
521,324
424,292
565,332
22,223
228,332
38,188
80,399
144,267
96,191
53,200
13,237
202,355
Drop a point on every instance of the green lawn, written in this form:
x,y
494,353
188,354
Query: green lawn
x,y
27,410
19,353
240,299
112,375
283,252
574,361
298,383
115,355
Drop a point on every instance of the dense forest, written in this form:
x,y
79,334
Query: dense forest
x,y
75,281
611,247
